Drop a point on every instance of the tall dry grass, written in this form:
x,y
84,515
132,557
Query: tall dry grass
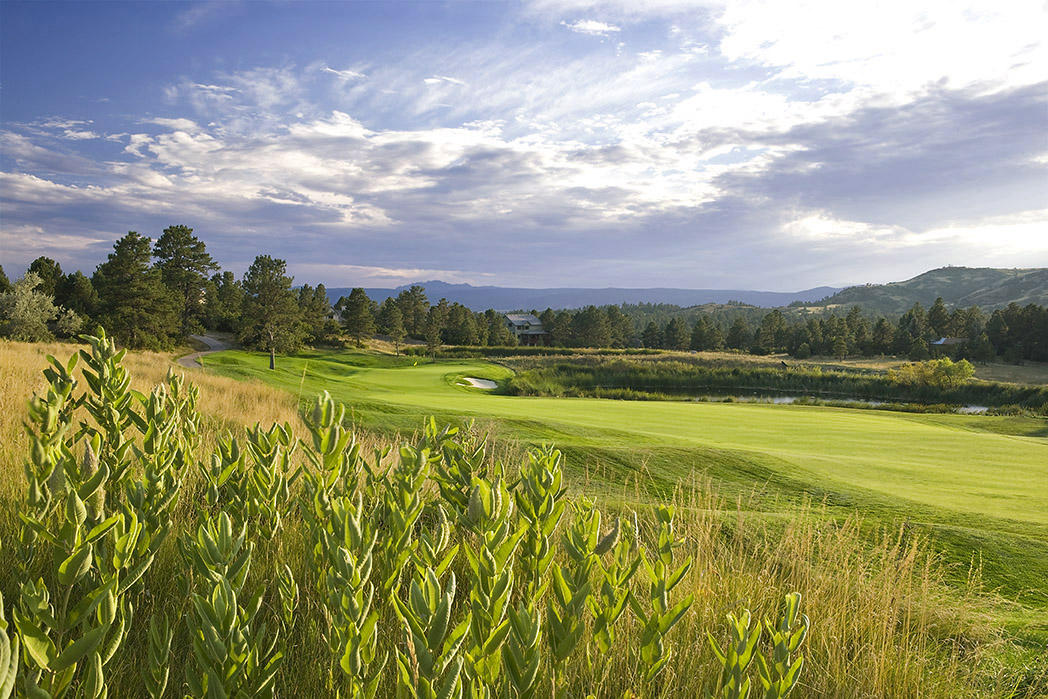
x,y
884,621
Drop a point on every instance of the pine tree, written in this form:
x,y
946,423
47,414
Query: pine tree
x,y
461,327
498,334
883,336
939,318
738,334
134,305
436,319
590,327
414,307
77,293
620,326
224,308
394,326
5,283
840,347
50,274
316,311
271,321
675,335
357,318
652,336
184,264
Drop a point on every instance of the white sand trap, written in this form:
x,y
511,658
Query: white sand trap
x,y
480,383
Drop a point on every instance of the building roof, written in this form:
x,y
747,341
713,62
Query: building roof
x,y
522,319
950,341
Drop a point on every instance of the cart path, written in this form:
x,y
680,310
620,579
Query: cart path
x,y
191,361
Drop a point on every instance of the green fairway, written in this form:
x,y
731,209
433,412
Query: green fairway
x,y
966,475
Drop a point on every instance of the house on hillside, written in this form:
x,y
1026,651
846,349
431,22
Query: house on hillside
x,y
527,329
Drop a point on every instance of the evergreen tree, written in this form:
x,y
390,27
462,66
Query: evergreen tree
x,y
652,335
771,336
859,330
939,319
675,336
715,337
382,316
436,319
997,331
918,350
316,312
912,324
133,304
840,347
620,326
561,330
413,307
394,326
883,336
5,283
590,328
224,308
357,318
700,334
50,274
548,319
271,318
184,264
461,328
738,334
498,333
77,293
25,311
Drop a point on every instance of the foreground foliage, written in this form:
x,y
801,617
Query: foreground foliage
x,y
541,588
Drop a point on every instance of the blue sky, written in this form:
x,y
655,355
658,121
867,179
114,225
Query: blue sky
x,y
680,143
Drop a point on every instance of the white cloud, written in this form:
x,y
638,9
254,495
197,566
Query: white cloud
x,y
31,240
438,79
591,27
336,275
895,47
345,74
79,135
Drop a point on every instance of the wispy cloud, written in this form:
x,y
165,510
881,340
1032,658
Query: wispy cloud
x,y
591,27
346,74
201,13
438,79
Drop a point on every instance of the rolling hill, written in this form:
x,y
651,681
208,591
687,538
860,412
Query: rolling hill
x,y
986,287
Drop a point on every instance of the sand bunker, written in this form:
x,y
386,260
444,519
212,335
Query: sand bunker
x,y
480,383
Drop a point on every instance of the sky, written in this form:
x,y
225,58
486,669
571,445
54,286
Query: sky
x,y
676,143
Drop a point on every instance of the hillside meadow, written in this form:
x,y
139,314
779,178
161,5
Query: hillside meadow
x,y
853,509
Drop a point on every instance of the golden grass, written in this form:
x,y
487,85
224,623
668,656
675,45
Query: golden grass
x,y
224,403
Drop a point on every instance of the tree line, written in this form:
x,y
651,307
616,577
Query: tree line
x,y
152,295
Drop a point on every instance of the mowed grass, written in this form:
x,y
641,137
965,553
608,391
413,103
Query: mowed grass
x,y
941,463
978,484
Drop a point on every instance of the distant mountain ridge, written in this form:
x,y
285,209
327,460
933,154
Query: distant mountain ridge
x,y
986,287
479,298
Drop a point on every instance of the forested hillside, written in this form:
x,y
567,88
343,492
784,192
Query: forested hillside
x,y
985,287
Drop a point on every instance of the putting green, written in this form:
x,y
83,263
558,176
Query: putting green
x,y
936,461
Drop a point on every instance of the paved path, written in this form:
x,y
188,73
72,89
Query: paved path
x,y
213,344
